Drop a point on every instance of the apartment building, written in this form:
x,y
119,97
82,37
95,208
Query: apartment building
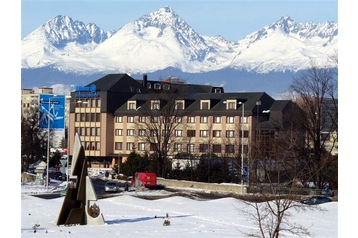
x,y
112,115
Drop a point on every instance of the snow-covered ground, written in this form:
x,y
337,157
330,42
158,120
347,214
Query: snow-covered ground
x,y
129,216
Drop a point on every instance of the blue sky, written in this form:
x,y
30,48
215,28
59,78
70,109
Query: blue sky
x,y
231,19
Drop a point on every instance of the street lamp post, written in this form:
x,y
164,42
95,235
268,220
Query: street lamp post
x,y
48,140
242,145
48,144
119,163
68,144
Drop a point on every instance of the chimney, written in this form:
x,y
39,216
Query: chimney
x,y
144,80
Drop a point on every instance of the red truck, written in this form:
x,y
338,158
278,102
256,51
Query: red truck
x,y
148,180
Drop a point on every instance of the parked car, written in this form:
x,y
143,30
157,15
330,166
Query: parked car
x,y
57,175
315,200
110,186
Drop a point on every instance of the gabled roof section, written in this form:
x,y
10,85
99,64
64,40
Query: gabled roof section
x,y
280,105
118,83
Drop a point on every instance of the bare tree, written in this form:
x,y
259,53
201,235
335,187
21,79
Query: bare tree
x,y
270,207
315,92
33,138
163,112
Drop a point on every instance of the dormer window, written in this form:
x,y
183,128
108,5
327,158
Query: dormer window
x,y
166,86
155,105
205,105
131,105
231,104
157,86
179,105
217,90
149,85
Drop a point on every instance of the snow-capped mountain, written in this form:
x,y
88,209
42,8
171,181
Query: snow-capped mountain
x,y
161,40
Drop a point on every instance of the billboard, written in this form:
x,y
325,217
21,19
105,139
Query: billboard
x,y
52,111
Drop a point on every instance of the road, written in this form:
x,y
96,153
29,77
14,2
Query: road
x,y
98,185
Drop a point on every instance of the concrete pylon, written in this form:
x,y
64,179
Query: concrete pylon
x,y
77,207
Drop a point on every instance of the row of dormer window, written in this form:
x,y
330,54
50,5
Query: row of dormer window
x,y
189,119
205,104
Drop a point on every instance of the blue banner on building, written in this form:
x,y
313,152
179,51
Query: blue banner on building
x,y
245,172
52,110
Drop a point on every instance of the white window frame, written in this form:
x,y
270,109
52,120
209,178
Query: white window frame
x,y
130,132
230,120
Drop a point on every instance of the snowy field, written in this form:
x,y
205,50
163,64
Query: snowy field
x,y
129,216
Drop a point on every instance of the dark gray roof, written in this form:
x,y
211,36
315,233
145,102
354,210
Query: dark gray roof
x,y
118,83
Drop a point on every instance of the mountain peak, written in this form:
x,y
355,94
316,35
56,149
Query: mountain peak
x,y
167,9
162,17
62,30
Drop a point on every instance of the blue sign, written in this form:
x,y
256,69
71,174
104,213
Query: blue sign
x,y
91,89
52,111
245,172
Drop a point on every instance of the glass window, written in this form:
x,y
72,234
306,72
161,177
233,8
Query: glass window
x,y
141,146
119,119
217,119
203,148
83,132
191,119
204,133
118,145
93,117
153,132
230,120
78,117
87,145
98,145
131,106
230,133
229,148
93,131
142,119
98,129
204,105
154,119
216,133
98,117
178,133
217,148
118,132
190,133
142,132
155,106
178,119
130,132
244,120
246,134
191,148
179,105
130,146
231,105
178,147
130,119
204,119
